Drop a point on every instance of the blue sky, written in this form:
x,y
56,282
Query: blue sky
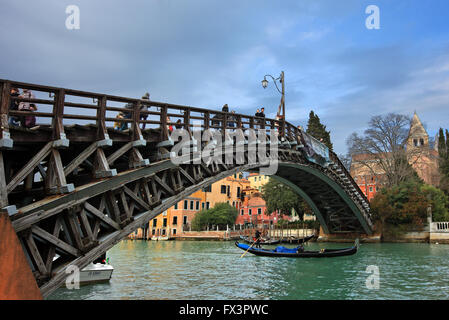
x,y
207,53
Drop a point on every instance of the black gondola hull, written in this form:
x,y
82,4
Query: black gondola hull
x,y
327,253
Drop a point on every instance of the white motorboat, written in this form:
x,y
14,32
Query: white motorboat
x,y
96,272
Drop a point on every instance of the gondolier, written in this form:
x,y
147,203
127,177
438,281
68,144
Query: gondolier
x,y
257,239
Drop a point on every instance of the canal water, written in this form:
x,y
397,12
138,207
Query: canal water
x,y
214,270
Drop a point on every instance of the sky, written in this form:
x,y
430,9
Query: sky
x,y
206,53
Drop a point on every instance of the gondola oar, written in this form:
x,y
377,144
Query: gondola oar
x,y
248,248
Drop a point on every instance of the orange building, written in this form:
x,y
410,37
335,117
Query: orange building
x,y
253,211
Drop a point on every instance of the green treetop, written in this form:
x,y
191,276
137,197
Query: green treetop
x,y
317,130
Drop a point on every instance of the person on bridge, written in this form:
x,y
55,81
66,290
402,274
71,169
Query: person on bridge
x,y
144,108
118,124
27,121
231,120
13,106
169,125
262,115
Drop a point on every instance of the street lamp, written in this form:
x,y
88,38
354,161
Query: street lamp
x,y
282,92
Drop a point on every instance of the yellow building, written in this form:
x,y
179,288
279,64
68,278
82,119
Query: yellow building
x,y
177,219
257,181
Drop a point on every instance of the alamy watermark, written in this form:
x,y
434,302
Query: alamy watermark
x,y
73,279
373,20
373,280
253,147
72,22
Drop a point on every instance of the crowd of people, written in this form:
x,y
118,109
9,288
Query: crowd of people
x,y
29,121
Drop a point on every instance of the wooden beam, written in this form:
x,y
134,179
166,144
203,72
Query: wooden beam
x,y
136,198
117,154
55,178
58,114
164,185
71,220
51,250
29,167
4,107
35,254
75,163
55,241
101,216
85,225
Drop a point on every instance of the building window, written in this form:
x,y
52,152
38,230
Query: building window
x,y
186,204
202,205
191,204
163,232
175,220
174,231
233,204
207,205
238,192
415,142
223,189
197,206
184,220
250,211
242,212
259,210
421,142
153,232
176,206
207,189
370,189
154,222
165,222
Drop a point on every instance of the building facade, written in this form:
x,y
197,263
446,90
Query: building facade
x,y
421,155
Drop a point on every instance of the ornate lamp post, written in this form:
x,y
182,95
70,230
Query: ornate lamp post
x,y
282,92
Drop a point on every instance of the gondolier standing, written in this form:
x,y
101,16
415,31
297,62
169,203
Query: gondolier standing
x,y
257,236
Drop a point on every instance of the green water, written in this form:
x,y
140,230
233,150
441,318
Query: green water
x,y
214,270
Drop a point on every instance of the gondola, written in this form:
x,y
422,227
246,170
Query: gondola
x,y
281,251
262,241
294,240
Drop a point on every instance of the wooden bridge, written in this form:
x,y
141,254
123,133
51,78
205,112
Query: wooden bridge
x,y
72,186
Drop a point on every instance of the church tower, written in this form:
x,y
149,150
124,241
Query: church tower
x,y
418,137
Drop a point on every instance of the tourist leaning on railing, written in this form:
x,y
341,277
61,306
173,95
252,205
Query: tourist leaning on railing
x,y
27,121
14,106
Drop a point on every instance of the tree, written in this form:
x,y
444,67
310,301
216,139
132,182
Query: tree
x,y
443,152
382,150
220,215
402,204
281,198
439,202
317,130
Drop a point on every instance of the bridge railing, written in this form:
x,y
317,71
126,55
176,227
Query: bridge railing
x,y
335,159
58,107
